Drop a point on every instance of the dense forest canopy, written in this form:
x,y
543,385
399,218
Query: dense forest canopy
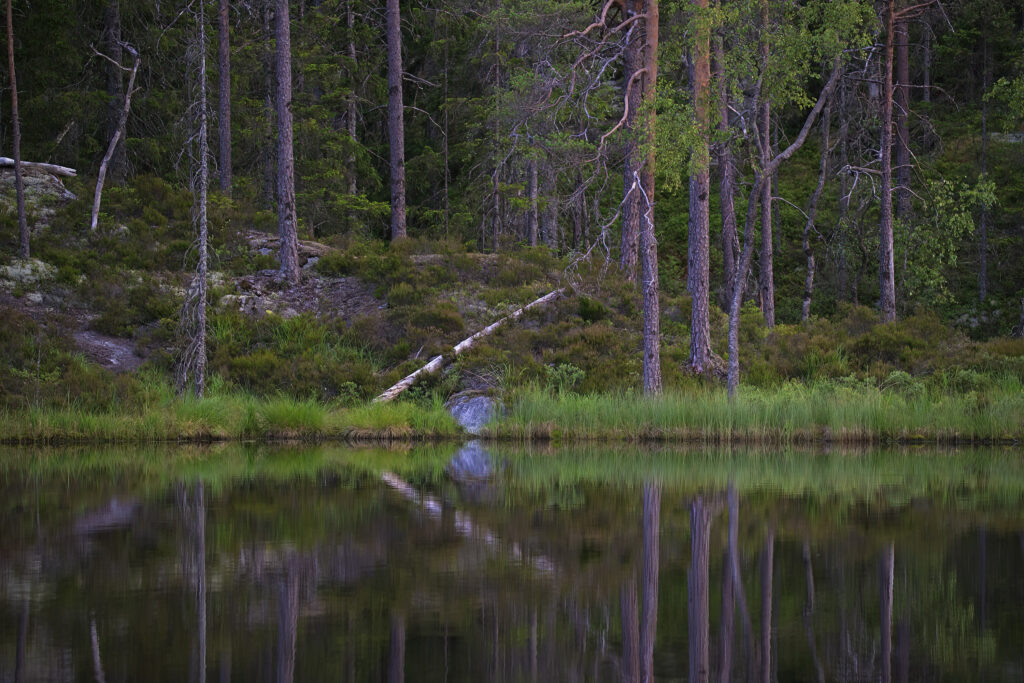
x,y
807,154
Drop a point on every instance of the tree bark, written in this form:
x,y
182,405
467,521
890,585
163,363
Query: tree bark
x,y
886,266
396,124
224,104
767,274
118,134
632,214
727,168
19,183
700,197
438,362
983,222
812,212
533,216
115,86
287,222
648,241
698,622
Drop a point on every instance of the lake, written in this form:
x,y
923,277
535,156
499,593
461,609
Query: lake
x,y
508,563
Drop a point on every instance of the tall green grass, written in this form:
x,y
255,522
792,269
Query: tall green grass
x,y
226,416
791,413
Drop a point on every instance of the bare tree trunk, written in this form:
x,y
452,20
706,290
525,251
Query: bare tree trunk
x,y
533,217
19,183
767,270
287,222
630,632
648,241
698,622
118,134
115,87
727,167
983,223
438,362
649,585
700,198
902,114
192,326
224,108
886,589
97,660
812,211
350,118
886,268
760,178
632,214
396,124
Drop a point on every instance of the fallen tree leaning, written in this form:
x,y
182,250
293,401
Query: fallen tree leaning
x,y
53,169
438,363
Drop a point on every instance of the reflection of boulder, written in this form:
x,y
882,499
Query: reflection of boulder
x,y
472,464
118,514
473,411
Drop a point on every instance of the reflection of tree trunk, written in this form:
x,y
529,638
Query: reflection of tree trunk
x,y
767,586
287,623
728,619
809,613
737,581
886,580
700,539
19,655
648,629
630,632
97,661
903,650
225,665
533,645
396,654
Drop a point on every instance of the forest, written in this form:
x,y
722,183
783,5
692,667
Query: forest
x,y
769,219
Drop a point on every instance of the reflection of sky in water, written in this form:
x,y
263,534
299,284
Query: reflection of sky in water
x,y
441,563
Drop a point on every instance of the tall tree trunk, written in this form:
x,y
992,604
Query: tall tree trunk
x,y
767,274
649,585
983,223
111,152
886,267
396,124
350,117
727,168
648,241
192,367
632,213
19,183
812,212
700,196
533,215
115,87
287,222
698,622
902,114
630,632
224,104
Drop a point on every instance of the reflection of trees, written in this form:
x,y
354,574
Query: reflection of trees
x,y
699,628
652,557
287,621
396,654
192,508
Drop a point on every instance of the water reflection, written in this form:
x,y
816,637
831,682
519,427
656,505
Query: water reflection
x,y
446,565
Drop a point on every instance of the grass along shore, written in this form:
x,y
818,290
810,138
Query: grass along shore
x,y
789,414
792,413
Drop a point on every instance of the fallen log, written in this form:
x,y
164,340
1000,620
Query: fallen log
x,y
437,363
52,169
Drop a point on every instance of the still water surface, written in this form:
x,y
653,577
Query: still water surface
x,y
439,564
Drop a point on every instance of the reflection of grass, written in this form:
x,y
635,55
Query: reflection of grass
x,y
227,416
790,414
995,475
